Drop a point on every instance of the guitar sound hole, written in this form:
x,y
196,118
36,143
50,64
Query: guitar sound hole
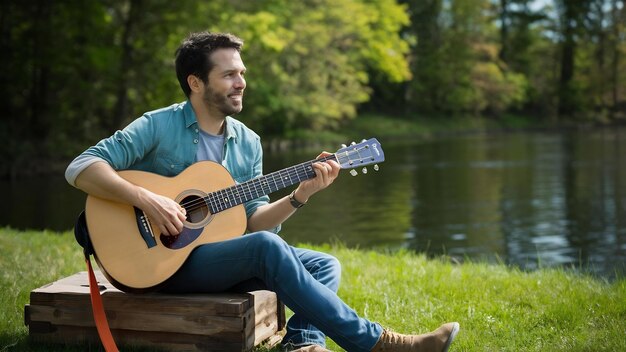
x,y
196,208
198,216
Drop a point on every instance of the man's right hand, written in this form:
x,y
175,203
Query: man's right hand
x,y
163,212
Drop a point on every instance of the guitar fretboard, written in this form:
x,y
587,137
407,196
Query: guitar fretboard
x,y
226,198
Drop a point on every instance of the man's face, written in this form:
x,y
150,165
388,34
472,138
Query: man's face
x,y
223,92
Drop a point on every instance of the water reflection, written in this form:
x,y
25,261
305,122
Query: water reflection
x,y
533,200
528,199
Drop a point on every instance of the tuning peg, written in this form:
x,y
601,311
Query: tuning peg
x,y
363,140
364,170
344,145
353,172
353,143
376,168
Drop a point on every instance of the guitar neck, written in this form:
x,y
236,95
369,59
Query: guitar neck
x,y
223,199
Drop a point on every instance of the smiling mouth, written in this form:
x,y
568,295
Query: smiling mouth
x,y
236,96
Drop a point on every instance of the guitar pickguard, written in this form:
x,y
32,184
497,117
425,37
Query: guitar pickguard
x,y
182,240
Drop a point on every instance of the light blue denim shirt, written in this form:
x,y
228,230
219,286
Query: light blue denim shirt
x,y
165,142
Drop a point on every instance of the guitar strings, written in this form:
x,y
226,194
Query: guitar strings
x,y
254,186
238,191
211,200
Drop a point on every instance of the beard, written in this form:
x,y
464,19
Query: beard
x,y
223,102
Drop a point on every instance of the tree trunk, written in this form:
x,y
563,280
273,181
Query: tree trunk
x,y
601,56
568,50
567,73
40,73
504,30
121,110
617,20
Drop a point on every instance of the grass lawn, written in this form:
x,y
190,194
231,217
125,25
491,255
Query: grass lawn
x,y
499,308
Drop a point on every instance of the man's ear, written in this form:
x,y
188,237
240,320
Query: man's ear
x,y
195,84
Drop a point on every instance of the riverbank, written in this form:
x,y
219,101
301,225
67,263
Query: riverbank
x,y
499,308
389,128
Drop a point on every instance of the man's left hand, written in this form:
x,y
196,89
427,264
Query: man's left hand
x,y
325,173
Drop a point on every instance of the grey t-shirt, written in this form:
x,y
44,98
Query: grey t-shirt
x,y
211,147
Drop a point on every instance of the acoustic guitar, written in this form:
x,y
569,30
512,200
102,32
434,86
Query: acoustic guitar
x,y
136,257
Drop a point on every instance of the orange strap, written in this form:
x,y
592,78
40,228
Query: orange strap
x,y
99,315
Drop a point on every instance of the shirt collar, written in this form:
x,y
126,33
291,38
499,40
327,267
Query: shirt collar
x,y
190,119
190,115
230,130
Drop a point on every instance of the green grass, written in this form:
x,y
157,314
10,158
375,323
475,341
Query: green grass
x,y
499,308
29,260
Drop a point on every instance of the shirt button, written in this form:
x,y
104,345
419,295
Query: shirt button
x,y
172,166
195,141
196,130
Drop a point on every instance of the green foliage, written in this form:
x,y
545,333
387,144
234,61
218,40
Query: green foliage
x,y
77,71
458,69
308,62
497,90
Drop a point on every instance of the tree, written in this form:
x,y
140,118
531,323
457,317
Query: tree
x,y
46,79
309,62
427,59
79,70
455,61
571,14
526,48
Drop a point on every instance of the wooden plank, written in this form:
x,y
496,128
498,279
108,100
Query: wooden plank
x,y
63,334
265,316
132,320
69,292
224,304
167,342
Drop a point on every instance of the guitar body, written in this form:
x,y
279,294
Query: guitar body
x,y
134,256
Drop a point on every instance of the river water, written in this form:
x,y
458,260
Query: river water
x,y
528,199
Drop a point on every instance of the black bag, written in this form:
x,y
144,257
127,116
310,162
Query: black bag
x,y
81,232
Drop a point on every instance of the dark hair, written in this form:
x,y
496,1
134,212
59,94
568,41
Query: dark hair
x,y
192,56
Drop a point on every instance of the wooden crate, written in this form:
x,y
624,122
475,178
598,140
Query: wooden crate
x,y
61,312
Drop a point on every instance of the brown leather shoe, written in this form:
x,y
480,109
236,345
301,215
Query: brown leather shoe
x,y
436,341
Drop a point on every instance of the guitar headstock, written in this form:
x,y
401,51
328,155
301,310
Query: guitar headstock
x,y
360,155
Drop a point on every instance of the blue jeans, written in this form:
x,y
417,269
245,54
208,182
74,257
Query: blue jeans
x,y
305,281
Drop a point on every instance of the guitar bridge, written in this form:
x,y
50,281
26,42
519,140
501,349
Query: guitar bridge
x,y
144,227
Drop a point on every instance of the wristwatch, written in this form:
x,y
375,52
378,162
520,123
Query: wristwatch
x,y
294,202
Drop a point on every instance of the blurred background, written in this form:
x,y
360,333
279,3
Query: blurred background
x,y
550,193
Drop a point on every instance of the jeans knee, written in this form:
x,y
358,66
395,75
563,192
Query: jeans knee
x,y
334,266
329,272
267,241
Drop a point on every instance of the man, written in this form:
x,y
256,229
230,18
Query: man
x,y
166,141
